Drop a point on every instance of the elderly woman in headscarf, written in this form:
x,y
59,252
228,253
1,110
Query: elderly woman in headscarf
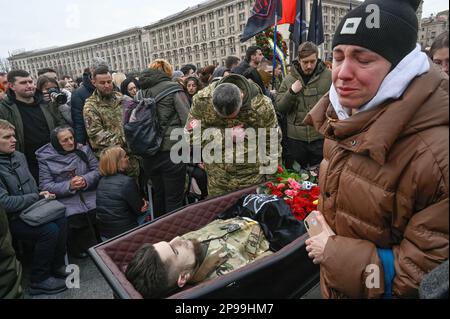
x,y
70,171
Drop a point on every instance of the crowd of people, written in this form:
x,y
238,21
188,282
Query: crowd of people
x,y
376,120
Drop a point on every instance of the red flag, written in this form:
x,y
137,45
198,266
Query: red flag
x,y
289,8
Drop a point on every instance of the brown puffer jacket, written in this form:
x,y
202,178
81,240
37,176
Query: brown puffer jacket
x,y
384,183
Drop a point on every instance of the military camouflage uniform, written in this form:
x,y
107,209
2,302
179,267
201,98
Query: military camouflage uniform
x,y
236,242
103,119
257,112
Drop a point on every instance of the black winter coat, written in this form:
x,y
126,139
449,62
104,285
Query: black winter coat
x,y
118,205
79,97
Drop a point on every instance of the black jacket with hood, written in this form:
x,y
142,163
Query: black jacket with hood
x,y
172,110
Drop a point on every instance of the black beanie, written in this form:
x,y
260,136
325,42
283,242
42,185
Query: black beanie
x,y
396,35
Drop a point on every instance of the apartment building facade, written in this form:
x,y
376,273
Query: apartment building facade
x,y
204,34
123,51
431,27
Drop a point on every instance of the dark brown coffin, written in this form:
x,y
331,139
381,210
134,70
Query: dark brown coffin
x,y
289,273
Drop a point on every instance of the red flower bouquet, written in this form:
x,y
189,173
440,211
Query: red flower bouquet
x,y
298,190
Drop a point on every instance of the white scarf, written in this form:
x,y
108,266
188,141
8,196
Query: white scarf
x,y
394,84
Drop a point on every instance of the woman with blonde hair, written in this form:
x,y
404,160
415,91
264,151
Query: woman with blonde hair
x,y
118,199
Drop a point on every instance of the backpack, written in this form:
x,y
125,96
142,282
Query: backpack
x,y
142,130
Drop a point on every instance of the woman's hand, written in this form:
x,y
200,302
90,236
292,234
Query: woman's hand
x,y
78,183
145,207
315,246
47,195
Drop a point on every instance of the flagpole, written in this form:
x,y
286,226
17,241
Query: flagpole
x,y
275,42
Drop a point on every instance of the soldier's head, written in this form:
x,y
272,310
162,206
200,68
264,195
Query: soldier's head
x,y
227,100
157,269
103,81
308,54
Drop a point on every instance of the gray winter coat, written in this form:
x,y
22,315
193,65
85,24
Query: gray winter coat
x,y
18,189
56,171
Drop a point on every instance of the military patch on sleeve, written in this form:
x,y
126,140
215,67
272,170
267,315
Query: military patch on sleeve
x,y
254,239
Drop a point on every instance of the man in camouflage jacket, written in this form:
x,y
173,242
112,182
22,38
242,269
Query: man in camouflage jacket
x,y
103,118
257,112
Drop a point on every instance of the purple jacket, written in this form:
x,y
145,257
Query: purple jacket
x,y
56,171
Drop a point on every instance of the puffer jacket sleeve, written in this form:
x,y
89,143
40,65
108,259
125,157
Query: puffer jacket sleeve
x,y
425,236
420,220
130,194
286,100
424,247
342,254
47,182
93,176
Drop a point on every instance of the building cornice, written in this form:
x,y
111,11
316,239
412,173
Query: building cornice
x,y
186,13
29,54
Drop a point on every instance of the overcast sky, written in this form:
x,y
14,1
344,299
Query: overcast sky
x,y
37,24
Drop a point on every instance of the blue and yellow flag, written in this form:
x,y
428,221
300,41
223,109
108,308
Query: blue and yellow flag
x,y
279,56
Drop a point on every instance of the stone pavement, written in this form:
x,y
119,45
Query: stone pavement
x,y
92,283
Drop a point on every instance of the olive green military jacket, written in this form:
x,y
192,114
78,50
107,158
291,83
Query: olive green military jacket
x,y
295,107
